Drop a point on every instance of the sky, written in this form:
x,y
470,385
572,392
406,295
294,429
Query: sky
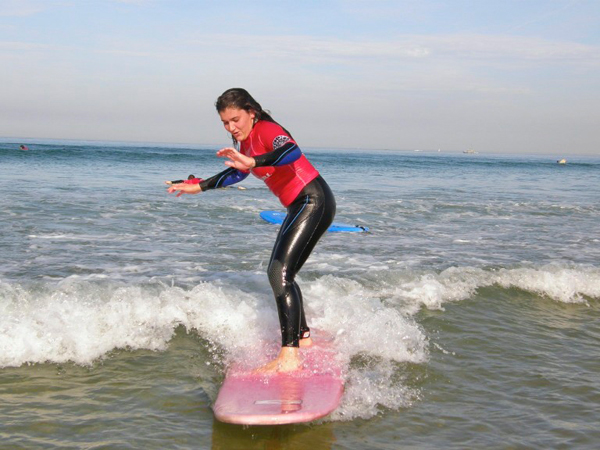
x,y
510,76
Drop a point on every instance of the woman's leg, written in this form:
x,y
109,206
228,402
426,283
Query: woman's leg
x,y
307,219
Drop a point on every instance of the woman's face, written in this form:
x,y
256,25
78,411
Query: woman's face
x,y
238,122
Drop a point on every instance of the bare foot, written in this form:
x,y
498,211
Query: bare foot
x,y
306,342
288,360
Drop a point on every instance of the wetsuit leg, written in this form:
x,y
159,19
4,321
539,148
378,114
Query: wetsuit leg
x,y
308,217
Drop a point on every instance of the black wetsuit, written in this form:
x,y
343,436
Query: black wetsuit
x,y
308,217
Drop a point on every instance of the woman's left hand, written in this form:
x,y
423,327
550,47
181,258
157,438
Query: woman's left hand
x,y
183,188
236,159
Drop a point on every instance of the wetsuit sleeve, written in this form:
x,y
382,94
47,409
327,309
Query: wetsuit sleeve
x,y
226,178
286,154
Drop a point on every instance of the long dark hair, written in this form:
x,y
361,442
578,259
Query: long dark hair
x,y
241,99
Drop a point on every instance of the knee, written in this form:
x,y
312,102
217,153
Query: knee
x,y
277,277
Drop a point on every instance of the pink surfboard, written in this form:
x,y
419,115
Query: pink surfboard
x,y
282,398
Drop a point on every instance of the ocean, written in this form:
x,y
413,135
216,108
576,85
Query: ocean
x,y
468,317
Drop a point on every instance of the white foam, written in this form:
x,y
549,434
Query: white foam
x,y
361,322
567,284
372,319
368,388
372,337
560,283
82,321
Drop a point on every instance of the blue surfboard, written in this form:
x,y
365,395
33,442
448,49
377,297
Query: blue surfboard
x,y
278,217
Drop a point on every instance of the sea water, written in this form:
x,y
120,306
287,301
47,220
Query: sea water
x,y
468,317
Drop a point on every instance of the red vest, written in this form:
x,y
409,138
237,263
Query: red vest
x,y
286,181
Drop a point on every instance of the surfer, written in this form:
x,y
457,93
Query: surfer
x,y
267,150
23,147
191,179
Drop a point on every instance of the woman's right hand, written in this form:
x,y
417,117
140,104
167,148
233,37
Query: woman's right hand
x,y
236,159
184,188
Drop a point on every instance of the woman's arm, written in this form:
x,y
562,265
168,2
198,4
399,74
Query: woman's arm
x,y
183,188
286,154
226,178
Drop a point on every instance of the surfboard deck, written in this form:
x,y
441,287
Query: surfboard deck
x,y
278,217
247,398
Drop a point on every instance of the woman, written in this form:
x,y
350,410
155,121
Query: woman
x,y
269,152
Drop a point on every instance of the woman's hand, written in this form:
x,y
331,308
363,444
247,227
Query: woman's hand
x,y
236,159
184,188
